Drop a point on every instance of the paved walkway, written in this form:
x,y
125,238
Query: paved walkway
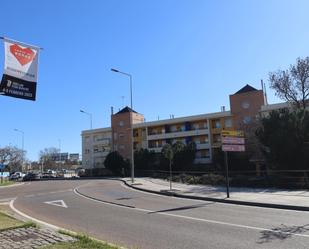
x,y
28,238
293,198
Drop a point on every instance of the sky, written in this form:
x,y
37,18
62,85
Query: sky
x,y
186,57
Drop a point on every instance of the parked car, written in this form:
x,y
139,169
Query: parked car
x,y
17,176
31,177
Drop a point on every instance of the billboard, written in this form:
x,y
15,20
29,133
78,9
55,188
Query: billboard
x,y
20,70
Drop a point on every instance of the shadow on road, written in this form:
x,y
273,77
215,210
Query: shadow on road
x,y
281,233
182,208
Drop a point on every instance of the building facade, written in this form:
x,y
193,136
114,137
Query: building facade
x,y
205,130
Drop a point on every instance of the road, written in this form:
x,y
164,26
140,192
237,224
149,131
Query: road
x,y
135,219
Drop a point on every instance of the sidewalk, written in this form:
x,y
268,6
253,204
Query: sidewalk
x,y
274,198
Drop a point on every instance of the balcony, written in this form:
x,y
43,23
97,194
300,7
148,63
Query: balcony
x,y
202,146
155,149
202,160
178,134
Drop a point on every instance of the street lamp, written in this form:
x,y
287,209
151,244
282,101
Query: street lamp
x,y
90,116
131,121
22,144
130,76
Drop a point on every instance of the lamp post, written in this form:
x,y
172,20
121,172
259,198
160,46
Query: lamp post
x,y
90,116
91,148
131,121
22,144
59,141
130,76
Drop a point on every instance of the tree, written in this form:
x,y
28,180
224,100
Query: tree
x,y
189,155
12,157
168,153
284,135
47,157
184,155
178,155
292,85
143,159
116,163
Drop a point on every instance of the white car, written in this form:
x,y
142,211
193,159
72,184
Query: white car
x,y
17,175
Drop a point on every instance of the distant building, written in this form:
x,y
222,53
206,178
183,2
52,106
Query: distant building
x,y
64,157
74,157
246,105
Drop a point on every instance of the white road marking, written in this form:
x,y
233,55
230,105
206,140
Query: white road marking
x,y
58,203
53,227
195,219
7,199
31,218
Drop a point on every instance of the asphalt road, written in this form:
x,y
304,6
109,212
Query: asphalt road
x,y
136,219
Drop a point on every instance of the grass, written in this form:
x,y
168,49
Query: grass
x,y
83,242
6,183
7,222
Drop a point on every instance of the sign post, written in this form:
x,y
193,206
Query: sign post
x,y
231,141
227,174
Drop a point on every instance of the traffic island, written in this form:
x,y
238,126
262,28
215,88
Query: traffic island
x,y
82,242
15,233
18,234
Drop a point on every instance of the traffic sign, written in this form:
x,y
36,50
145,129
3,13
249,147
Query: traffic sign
x,y
233,140
233,147
233,133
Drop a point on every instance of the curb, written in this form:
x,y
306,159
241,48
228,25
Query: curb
x,y
226,201
53,227
12,185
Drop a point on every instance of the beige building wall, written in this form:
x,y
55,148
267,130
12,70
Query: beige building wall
x,y
96,144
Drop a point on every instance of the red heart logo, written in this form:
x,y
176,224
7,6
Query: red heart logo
x,y
23,55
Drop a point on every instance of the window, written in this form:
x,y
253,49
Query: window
x,y
87,139
115,135
121,135
121,147
228,123
204,139
217,138
121,123
136,145
216,124
87,151
203,125
98,138
98,148
135,133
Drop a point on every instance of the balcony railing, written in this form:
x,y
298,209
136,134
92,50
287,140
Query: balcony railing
x,y
178,134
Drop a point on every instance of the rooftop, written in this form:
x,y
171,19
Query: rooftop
x,y
246,88
126,109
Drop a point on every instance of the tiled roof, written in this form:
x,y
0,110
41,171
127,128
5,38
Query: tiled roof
x,y
126,109
246,88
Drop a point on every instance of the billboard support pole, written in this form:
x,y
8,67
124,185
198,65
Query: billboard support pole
x,y
227,174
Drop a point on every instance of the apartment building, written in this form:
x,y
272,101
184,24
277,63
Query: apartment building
x,y
96,144
205,130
